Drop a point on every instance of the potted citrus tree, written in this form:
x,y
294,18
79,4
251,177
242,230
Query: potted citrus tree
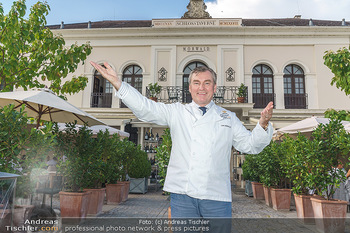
x,y
331,150
73,150
251,170
251,173
274,176
102,148
154,91
115,189
298,163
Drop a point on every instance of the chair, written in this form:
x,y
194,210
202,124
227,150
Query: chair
x,y
50,188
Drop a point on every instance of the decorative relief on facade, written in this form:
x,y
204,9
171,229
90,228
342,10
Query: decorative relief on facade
x,y
230,75
162,75
196,10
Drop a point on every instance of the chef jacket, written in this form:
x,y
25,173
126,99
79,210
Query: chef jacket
x,y
199,164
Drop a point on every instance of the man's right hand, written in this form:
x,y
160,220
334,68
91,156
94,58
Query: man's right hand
x,y
108,73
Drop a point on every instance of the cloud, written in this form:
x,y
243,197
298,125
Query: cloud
x,y
316,9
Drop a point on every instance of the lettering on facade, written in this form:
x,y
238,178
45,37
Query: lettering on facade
x,y
196,23
228,23
162,23
196,49
184,23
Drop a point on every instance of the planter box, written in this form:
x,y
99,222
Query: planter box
x,y
304,208
138,185
96,200
74,205
267,194
281,199
258,191
329,215
114,193
248,188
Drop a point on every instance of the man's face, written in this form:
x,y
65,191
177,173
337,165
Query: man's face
x,y
202,88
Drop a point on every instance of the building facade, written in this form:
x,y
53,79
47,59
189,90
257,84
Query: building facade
x,y
279,60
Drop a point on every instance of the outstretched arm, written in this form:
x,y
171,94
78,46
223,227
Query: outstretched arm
x,y
108,73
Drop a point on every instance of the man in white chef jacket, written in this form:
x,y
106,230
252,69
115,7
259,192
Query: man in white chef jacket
x,y
198,175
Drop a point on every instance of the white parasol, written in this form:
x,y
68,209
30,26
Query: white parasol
x,y
44,105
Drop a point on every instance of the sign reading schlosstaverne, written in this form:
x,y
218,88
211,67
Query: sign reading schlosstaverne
x,y
185,23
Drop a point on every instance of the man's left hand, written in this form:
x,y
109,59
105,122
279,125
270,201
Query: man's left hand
x,y
266,115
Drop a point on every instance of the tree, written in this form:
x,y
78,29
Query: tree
x,y
32,56
339,63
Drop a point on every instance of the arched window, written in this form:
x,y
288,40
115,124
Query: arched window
x,y
133,75
102,92
186,80
294,87
262,86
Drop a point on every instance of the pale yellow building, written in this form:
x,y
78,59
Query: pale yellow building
x,y
277,59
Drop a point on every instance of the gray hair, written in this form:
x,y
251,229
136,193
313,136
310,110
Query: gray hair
x,y
202,69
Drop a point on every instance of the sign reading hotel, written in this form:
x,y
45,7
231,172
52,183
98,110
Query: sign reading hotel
x,y
195,23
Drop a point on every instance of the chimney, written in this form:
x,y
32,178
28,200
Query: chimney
x,y
297,17
343,23
89,24
311,23
62,25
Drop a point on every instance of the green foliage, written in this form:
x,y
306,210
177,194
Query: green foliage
x,y
299,154
163,155
109,152
12,138
242,90
271,161
251,168
77,146
154,89
315,164
31,54
342,115
140,166
331,144
339,63
22,149
128,151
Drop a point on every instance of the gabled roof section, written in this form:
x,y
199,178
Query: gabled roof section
x,y
106,24
297,22
280,22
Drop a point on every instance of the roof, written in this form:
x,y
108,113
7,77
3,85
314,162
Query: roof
x,y
277,22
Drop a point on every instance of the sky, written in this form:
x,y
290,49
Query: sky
x,y
77,11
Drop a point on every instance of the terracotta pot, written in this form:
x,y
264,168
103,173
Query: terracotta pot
x,y
240,99
96,200
258,190
74,204
155,99
267,194
126,190
281,199
329,215
114,193
304,208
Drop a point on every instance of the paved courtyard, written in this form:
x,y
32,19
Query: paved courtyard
x,y
148,211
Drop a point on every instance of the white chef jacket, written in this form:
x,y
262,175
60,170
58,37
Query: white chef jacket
x,y
199,163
